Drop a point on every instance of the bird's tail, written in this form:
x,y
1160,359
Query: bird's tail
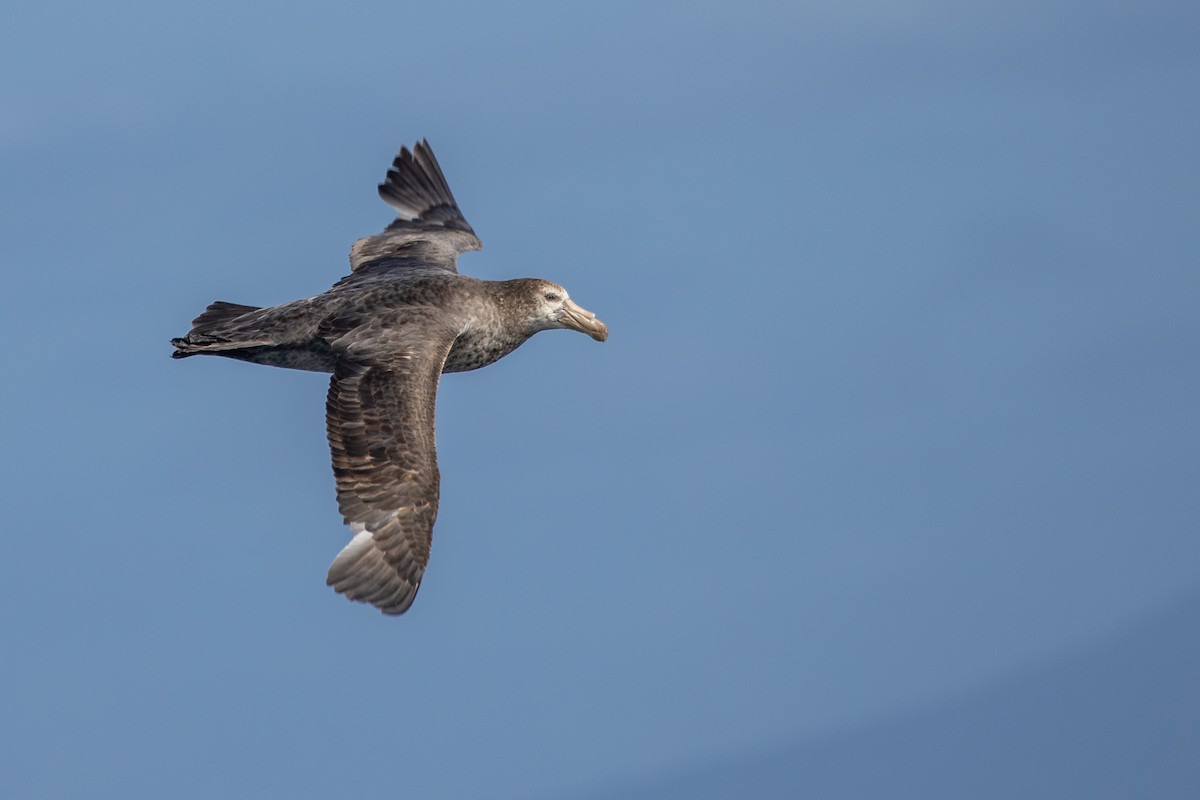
x,y
207,328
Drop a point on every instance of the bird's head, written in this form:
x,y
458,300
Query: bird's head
x,y
547,306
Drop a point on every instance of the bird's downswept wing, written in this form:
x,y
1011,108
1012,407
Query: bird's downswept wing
x,y
429,230
380,420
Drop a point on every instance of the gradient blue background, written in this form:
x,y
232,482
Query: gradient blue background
x,y
885,485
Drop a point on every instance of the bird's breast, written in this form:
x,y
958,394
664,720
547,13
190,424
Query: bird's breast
x,y
478,348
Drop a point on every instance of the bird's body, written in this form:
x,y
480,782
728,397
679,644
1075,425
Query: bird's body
x,y
297,335
386,332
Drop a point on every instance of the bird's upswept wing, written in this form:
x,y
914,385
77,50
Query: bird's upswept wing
x,y
380,419
429,230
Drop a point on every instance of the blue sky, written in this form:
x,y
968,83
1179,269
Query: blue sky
x,y
897,417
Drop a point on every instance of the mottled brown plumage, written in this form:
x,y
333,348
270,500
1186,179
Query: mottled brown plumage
x,y
386,332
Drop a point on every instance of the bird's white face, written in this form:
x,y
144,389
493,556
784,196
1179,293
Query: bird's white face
x,y
558,311
551,300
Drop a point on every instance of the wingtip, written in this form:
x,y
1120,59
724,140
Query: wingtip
x,y
417,189
361,573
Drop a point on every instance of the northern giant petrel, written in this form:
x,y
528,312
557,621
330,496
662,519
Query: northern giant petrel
x,y
387,331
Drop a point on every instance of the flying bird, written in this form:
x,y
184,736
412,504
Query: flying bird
x,y
387,331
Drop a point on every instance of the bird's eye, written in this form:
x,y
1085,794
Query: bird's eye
x,y
551,296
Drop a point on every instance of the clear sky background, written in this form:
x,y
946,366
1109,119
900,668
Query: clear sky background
x,y
885,484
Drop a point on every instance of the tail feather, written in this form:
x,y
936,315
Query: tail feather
x,y
218,313
204,332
